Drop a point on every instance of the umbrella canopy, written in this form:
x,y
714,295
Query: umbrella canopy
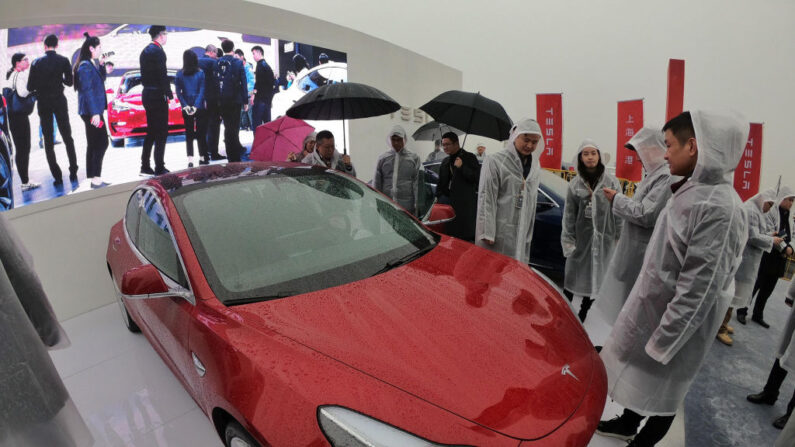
x,y
341,101
274,140
433,131
470,112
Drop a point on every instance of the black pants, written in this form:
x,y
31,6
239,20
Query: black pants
x,y
654,430
156,106
96,144
261,113
19,125
213,127
230,113
764,286
47,108
774,381
584,306
196,129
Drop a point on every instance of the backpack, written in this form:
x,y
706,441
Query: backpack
x,y
228,80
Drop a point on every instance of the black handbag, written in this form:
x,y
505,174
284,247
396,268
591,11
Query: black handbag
x,y
17,104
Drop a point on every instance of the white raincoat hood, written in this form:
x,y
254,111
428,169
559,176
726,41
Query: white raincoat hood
x,y
721,138
650,145
522,127
586,143
399,131
783,193
769,195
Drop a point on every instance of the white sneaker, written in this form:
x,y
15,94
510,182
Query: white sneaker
x,y
30,185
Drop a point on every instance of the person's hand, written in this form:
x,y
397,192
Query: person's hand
x,y
291,156
245,107
251,100
96,121
186,109
609,193
788,251
777,240
346,159
458,163
487,241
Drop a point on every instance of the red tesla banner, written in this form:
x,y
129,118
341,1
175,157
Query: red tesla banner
x,y
630,120
549,114
746,176
675,103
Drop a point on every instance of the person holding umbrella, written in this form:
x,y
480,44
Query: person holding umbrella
x,y
397,171
459,175
326,154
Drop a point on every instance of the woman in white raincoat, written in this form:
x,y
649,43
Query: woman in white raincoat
x,y
507,193
397,171
785,362
589,229
759,241
639,214
662,334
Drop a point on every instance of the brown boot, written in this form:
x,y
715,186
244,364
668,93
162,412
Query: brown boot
x,y
729,329
724,338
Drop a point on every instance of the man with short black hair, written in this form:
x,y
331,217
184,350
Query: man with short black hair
x,y
233,93
326,154
459,175
155,97
264,88
207,63
48,76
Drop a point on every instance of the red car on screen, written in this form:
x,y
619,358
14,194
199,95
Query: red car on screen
x,y
126,114
299,307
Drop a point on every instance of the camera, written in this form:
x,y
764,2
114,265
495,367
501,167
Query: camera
x,y
108,54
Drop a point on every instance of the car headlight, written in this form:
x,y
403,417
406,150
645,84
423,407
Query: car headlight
x,y
347,428
121,106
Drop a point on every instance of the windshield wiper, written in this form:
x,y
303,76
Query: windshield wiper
x,y
256,299
404,260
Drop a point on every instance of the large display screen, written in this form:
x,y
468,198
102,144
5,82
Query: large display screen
x,y
298,68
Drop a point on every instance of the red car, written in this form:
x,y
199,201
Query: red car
x,y
126,115
299,307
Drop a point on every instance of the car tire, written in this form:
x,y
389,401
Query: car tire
x,y
237,436
117,142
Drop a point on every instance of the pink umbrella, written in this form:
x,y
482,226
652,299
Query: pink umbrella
x,y
274,140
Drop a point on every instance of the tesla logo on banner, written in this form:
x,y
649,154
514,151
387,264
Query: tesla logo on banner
x,y
630,121
549,114
747,174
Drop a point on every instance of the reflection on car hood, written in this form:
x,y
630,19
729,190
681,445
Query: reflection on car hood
x,y
468,330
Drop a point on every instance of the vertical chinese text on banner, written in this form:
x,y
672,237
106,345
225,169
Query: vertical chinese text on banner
x,y
630,121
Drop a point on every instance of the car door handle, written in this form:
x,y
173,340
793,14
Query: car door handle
x,y
200,369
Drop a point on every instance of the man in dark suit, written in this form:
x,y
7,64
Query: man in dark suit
x,y
264,86
48,76
208,63
155,96
459,175
232,95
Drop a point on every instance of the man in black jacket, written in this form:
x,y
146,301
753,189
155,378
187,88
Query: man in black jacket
x,y
232,94
155,96
264,86
208,63
48,76
459,175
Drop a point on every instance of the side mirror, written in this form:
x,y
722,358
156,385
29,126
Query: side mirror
x,y
439,216
145,282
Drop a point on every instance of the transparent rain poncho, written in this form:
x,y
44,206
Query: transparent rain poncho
x,y
639,214
507,199
397,174
686,284
759,241
589,230
786,347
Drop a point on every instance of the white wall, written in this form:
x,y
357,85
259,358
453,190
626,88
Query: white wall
x,y
739,54
68,236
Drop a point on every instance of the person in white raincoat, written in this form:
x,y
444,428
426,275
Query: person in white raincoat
x,y
397,171
507,193
589,228
639,214
785,362
326,154
759,241
665,329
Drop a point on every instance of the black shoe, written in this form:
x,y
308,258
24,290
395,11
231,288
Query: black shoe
x,y
161,171
204,161
73,178
760,321
58,183
598,348
741,318
190,165
617,428
146,171
216,157
762,398
779,423
101,185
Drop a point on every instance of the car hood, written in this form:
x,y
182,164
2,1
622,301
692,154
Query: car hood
x,y
470,331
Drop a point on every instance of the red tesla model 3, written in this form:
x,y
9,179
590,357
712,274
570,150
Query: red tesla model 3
x,y
299,307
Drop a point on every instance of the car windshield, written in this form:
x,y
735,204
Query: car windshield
x,y
276,235
555,183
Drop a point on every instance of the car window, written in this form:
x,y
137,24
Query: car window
x,y
293,234
131,216
554,183
155,242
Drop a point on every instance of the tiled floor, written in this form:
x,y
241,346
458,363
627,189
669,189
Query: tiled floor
x,y
128,397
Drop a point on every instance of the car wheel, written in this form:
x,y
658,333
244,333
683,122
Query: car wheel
x,y
237,436
6,185
117,142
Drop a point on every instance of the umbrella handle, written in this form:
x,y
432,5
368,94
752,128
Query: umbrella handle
x,y
344,139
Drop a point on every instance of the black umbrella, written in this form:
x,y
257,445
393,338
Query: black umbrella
x,y
433,131
341,101
470,112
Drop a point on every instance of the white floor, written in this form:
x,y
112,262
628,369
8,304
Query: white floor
x,y
129,398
